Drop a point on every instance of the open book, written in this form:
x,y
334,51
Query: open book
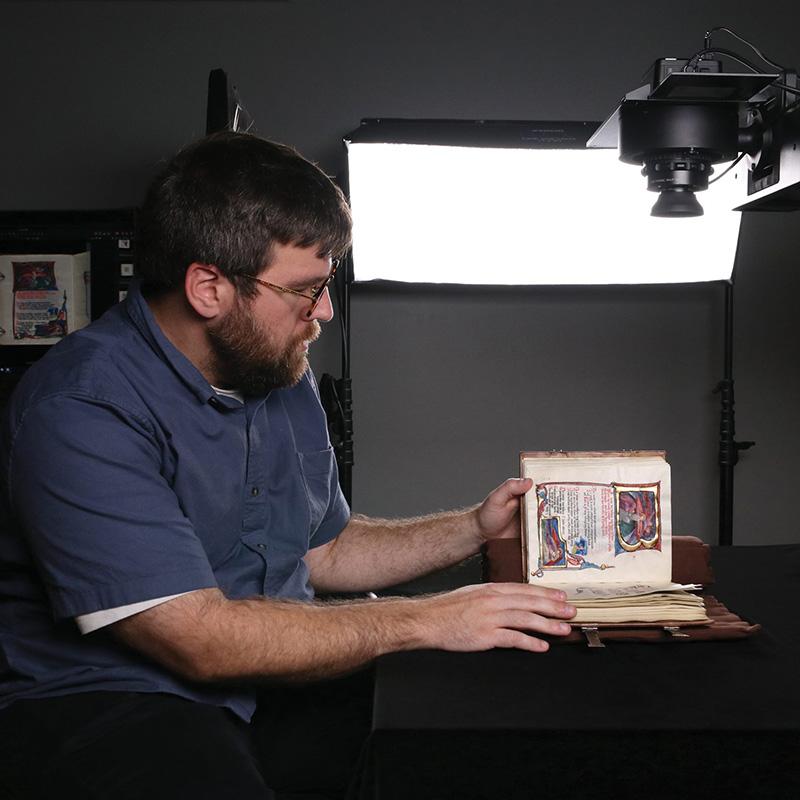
x,y
597,525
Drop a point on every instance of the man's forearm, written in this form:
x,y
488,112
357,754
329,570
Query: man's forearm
x,y
203,636
207,637
316,641
372,553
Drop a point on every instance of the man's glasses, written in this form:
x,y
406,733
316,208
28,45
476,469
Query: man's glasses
x,y
314,297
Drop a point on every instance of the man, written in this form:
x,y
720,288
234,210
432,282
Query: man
x,y
171,504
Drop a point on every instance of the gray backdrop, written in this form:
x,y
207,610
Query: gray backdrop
x,y
94,94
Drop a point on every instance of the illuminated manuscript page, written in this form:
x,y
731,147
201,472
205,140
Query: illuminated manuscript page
x,y
597,518
42,297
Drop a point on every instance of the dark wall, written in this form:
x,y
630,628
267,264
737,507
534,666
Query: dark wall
x,y
449,385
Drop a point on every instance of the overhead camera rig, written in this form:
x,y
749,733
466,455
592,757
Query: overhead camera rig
x,y
690,115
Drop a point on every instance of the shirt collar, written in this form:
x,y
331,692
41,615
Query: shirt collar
x,y
142,317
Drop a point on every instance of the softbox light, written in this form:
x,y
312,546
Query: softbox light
x,y
520,203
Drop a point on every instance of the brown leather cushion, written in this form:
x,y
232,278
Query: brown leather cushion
x,y
691,563
724,625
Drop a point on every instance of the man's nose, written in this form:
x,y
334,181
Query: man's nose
x,y
324,309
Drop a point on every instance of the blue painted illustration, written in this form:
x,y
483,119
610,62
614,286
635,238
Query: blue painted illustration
x,y
553,551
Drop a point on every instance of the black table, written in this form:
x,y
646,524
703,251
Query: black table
x,y
675,720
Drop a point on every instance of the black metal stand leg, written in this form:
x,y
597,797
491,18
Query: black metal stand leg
x,y
728,446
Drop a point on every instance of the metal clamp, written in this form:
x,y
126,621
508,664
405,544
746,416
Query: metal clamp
x,y
675,632
592,636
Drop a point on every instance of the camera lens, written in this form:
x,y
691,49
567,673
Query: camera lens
x,y
676,203
677,176
677,142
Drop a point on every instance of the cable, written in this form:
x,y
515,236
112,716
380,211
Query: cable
x,y
708,50
730,167
744,41
340,290
719,51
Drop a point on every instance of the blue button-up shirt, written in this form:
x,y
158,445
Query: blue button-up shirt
x,y
124,478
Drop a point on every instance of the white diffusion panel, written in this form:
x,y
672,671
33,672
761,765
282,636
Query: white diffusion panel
x,y
473,215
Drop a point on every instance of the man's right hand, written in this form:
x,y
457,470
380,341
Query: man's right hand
x,y
491,615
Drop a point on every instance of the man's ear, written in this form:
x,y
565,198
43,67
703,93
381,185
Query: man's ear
x,y
207,290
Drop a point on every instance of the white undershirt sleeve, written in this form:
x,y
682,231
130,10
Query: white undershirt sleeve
x,y
99,619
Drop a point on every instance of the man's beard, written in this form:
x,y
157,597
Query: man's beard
x,y
245,356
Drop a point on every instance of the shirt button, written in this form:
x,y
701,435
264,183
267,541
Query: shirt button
x,y
254,491
261,546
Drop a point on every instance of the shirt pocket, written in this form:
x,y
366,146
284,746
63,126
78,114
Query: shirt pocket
x,y
317,468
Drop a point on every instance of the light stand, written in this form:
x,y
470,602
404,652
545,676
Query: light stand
x,y
337,394
728,446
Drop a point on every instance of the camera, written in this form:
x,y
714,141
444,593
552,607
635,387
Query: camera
x,y
690,116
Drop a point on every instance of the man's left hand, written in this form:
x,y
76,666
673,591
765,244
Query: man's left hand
x,y
498,514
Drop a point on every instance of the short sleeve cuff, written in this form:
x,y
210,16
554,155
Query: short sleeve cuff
x,y
69,603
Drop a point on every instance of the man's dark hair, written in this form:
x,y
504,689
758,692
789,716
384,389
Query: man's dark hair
x,y
227,200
